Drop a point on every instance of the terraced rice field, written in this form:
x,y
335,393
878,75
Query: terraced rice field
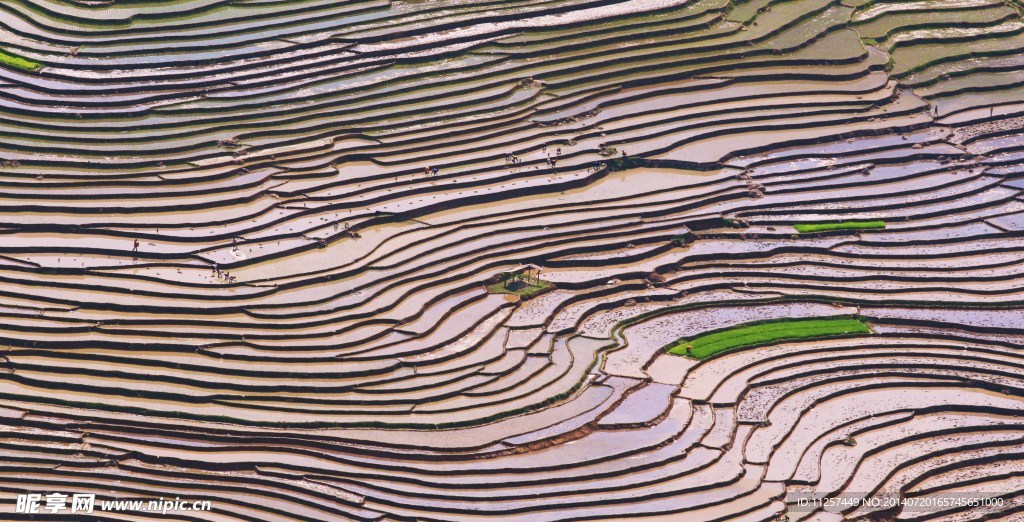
x,y
229,274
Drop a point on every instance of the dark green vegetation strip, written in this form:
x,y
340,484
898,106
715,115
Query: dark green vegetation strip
x,y
18,62
754,334
845,225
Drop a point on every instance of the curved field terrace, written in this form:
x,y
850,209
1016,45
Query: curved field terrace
x,y
528,260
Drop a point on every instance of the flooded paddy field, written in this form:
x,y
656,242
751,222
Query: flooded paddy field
x,y
442,261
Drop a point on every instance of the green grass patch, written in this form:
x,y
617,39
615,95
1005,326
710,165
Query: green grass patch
x,y
761,333
529,290
844,225
18,62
